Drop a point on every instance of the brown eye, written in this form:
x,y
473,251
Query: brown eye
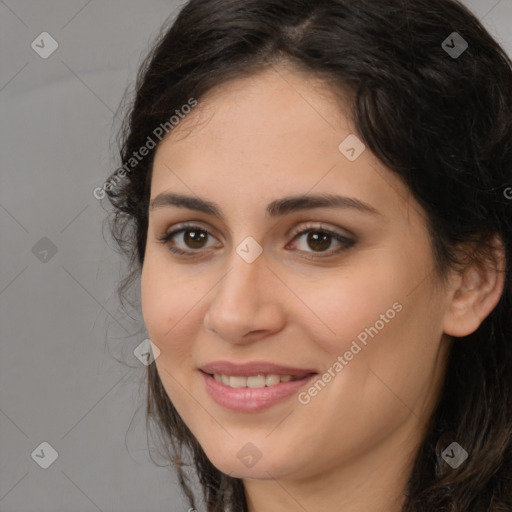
x,y
319,240
194,238
191,239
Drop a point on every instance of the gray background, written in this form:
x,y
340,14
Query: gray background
x,y
68,375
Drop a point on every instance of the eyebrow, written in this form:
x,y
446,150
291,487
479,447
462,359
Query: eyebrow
x,y
276,208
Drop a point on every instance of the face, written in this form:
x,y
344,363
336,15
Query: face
x,y
333,310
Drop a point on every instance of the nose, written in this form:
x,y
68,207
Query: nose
x,y
247,304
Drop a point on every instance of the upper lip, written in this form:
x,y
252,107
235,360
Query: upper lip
x,y
253,368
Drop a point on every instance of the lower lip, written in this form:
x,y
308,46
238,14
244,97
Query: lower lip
x,y
252,399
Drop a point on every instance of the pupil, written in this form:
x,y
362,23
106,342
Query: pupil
x,y
196,237
315,237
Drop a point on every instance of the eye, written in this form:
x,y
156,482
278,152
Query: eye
x,y
319,239
194,238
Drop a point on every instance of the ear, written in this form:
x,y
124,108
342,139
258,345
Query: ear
x,y
475,291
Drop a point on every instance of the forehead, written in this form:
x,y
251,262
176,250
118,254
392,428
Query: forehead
x,y
271,135
272,108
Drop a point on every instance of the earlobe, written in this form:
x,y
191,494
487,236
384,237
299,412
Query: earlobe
x,y
474,294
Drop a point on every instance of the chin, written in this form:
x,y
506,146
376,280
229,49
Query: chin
x,y
249,462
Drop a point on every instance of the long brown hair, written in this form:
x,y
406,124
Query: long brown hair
x,y
442,122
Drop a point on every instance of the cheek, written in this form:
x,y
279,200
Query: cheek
x,y
345,307
379,321
389,342
168,302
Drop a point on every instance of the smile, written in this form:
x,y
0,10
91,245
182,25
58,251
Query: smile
x,y
253,393
253,381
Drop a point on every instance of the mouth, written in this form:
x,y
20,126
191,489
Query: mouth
x,y
252,387
254,369
255,381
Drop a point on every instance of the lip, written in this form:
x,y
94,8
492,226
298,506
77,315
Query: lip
x,y
253,368
252,399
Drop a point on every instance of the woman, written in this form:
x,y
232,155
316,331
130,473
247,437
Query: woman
x,y
314,197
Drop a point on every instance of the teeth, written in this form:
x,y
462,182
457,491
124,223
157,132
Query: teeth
x,y
237,382
254,381
272,380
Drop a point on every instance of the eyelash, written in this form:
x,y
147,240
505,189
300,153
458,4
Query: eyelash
x,y
347,243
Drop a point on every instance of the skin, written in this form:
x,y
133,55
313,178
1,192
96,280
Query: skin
x,y
351,447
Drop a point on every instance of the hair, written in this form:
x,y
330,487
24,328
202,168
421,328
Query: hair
x,y
442,124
